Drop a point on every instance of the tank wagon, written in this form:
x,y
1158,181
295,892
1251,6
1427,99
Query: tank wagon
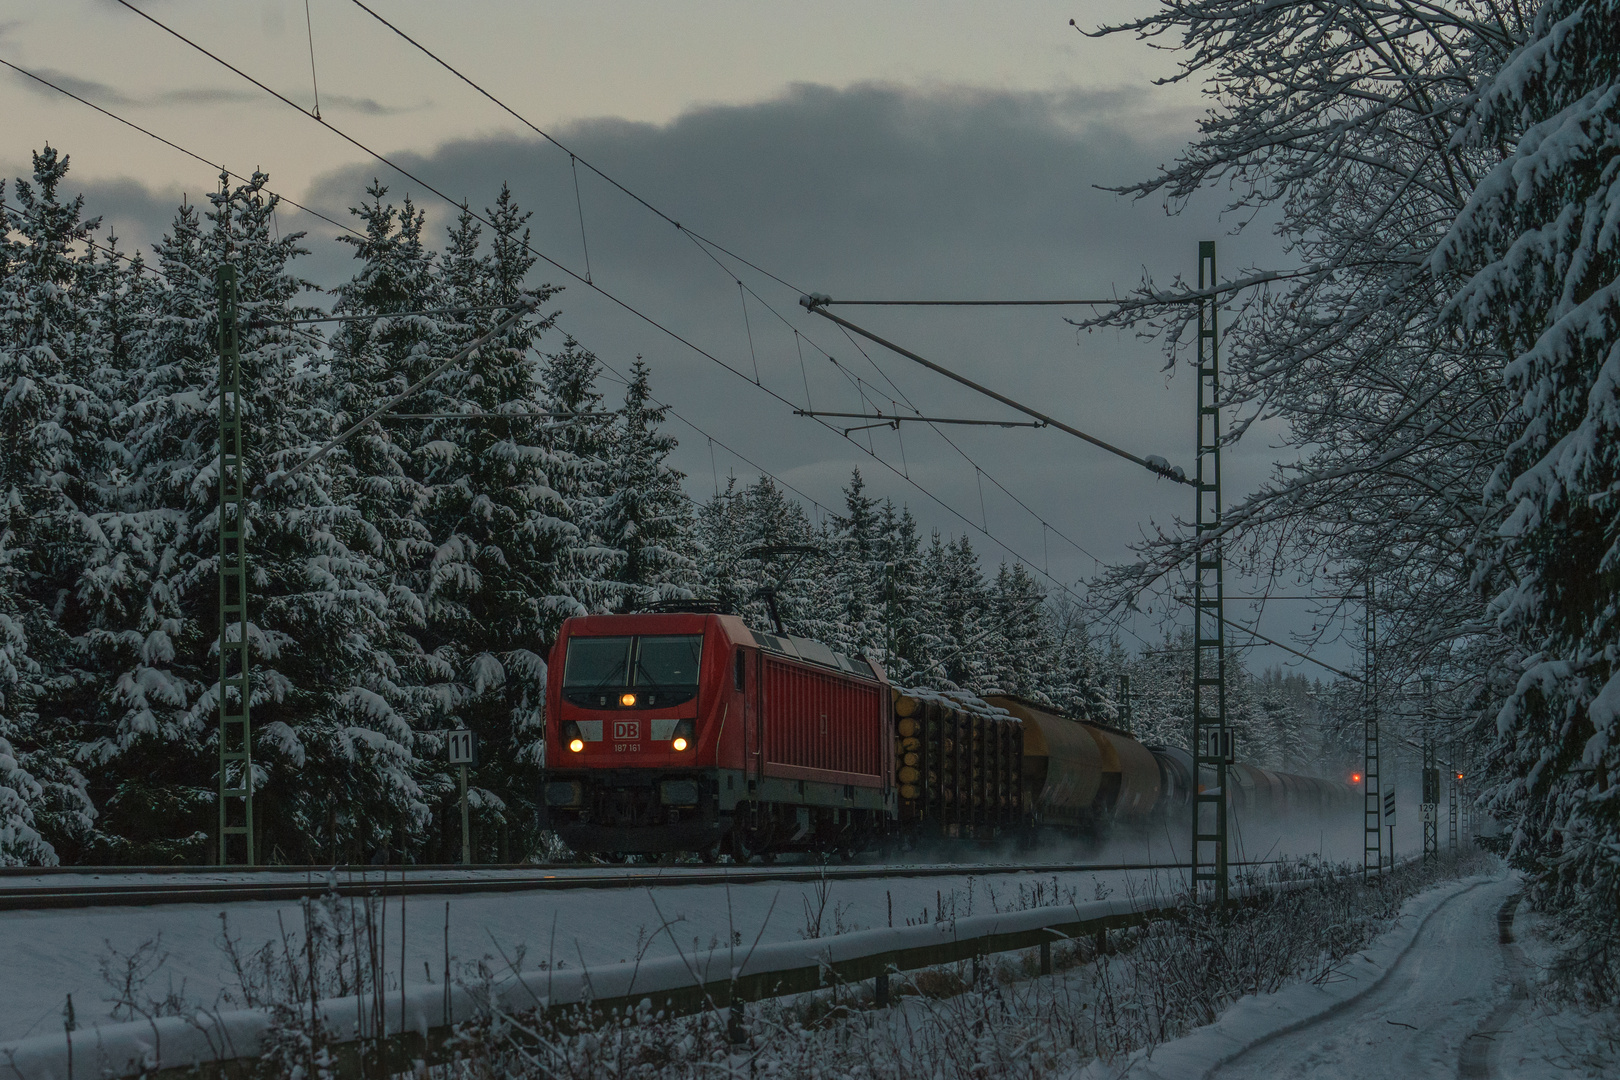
x,y
688,731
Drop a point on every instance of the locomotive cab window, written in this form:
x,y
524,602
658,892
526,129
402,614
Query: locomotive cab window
x,y
653,671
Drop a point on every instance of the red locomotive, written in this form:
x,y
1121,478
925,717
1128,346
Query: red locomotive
x,y
687,731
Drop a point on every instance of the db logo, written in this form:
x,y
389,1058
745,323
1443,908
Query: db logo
x,y
626,729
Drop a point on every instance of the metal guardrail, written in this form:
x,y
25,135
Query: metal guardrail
x,y
403,1026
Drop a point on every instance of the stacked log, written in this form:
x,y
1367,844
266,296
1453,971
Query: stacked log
x,y
959,768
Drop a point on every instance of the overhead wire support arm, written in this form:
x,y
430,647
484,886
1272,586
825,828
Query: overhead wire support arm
x,y
261,324
1198,296
975,303
892,419
1257,635
1159,467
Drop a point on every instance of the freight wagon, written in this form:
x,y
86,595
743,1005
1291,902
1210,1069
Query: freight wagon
x,y
688,731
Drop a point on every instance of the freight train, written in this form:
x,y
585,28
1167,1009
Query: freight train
x,y
684,730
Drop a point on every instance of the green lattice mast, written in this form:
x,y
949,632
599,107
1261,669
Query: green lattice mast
x,y
1211,740
235,727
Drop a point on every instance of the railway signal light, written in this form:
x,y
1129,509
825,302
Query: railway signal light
x,y
1355,778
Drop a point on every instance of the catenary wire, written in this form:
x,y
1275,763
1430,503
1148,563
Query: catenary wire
x,y
697,238
553,141
577,277
798,335
574,156
172,145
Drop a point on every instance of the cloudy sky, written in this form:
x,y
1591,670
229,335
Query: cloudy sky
x,y
915,150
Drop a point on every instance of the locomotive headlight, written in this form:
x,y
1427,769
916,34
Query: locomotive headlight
x,y
576,745
679,743
684,732
627,700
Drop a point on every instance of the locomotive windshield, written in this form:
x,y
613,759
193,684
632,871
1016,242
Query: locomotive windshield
x,y
597,662
668,661
650,671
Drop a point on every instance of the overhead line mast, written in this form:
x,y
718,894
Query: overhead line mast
x,y
1212,745
235,722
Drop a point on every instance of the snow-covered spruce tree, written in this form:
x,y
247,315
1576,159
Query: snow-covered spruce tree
x,y
581,430
1538,248
21,796
965,631
1161,691
909,647
380,474
1281,701
143,744
339,756
645,517
56,454
318,599
509,563
1019,646
731,529
1072,672
857,576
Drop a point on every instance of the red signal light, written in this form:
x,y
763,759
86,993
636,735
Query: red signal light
x,y
1355,778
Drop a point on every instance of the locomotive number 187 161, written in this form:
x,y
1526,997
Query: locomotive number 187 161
x,y
626,736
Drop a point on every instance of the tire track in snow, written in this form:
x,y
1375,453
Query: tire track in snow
x,y
1436,983
1473,1059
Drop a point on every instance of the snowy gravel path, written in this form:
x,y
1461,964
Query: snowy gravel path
x,y
1451,988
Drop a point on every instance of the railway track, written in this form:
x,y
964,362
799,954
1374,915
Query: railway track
x,y
295,883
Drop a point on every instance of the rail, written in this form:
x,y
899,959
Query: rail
x,y
414,1024
215,887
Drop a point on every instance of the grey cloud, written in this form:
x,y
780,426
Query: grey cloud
x,y
203,95
370,106
107,96
136,214
90,89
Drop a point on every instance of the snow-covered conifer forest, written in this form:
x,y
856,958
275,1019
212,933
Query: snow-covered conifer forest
x,y
412,579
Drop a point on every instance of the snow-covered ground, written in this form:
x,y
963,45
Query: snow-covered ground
x,y
51,954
